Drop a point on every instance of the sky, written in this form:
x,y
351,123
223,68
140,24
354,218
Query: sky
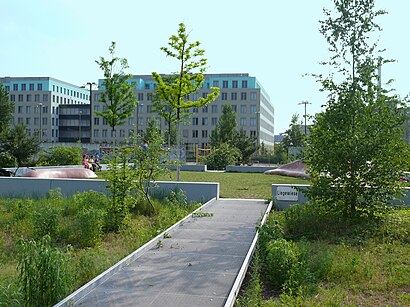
x,y
278,42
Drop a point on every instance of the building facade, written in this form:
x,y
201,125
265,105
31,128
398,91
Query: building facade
x,y
37,101
65,110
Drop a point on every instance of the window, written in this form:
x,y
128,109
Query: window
x,y
54,98
130,121
214,109
28,109
234,107
149,109
104,122
195,97
243,108
39,87
195,134
23,87
15,87
12,97
195,110
215,83
130,132
243,96
140,109
20,120
204,121
147,86
31,86
45,97
36,121
185,133
104,133
44,120
204,133
253,95
235,83
253,133
214,121
252,122
205,109
28,122
149,96
244,83
20,109
122,133
234,96
195,121
224,96
140,96
242,121
20,97
28,97
96,133
225,84
253,108
37,97
96,121
52,121
204,95
7,87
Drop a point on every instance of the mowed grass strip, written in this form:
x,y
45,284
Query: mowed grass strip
x,y
238,185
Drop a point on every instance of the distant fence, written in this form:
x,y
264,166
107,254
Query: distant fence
x,y
27,187
285,195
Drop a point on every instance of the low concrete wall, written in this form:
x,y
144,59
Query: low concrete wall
x,y
25,187
285,195
190,167
248,169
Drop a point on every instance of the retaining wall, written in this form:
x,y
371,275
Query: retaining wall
x,y
27,187
248,169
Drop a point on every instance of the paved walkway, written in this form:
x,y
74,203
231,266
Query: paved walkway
x,y
196,266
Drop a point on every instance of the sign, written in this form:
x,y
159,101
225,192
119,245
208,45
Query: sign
x,y
287,193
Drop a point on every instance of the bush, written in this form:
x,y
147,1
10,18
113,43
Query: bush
x,y
61,155
45,220
223,156
89,227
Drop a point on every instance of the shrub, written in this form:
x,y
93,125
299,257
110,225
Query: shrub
x,y
176,199
61,155
223,156
45,220
44,275
22,209
89,227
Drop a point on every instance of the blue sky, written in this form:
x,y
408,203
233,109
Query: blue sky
x,y
275,41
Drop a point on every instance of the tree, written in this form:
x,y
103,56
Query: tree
x,y
356,148
118,97
19,145
246,145
188,79
225,130
61,155
225,155
6,108
293,137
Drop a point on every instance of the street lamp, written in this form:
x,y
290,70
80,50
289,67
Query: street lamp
x,y
90,84
40,105
305,103
79,126
138,106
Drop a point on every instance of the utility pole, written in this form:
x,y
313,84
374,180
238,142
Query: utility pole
x,y
305,103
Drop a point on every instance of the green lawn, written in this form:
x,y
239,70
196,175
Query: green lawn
x,y
239,185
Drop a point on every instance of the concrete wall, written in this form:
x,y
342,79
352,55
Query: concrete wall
x,y
21,186
285,195
191,168
248,169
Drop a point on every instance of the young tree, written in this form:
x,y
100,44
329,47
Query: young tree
x,y
118,95
19,145
6,108
225,130
293,137
188,79
246,145
356,149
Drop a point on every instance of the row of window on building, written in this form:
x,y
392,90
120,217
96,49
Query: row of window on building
x,y
36,109
23,87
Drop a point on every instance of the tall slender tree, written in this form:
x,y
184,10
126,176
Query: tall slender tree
x,y
6,108
188,79
118,96
356,149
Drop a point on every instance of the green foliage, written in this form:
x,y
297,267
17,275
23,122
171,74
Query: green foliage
x,y
176,199
293,137
223,156
44,272
118,97
6,108
22,209
18,145
225,130
45,220
356,148
89,227
61,155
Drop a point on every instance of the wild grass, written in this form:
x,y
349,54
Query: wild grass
x,y
336,261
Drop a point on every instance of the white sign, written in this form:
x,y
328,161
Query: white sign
x,y
287,193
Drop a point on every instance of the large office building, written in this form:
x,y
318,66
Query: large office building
x,y
65,113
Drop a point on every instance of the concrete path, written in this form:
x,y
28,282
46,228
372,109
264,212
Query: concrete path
x,y
196,264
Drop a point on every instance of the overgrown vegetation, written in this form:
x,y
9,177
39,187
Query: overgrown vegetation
x,y
58,243
61,155
307,256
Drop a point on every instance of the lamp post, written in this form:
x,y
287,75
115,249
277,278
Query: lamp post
x,y
90,84
40,105
79,126
137,124
305,103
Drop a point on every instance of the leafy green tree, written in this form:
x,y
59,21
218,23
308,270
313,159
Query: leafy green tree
x,y
246,145
6,108
225,130
188,79
19,145
356,149
293,137
118,96
61,155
